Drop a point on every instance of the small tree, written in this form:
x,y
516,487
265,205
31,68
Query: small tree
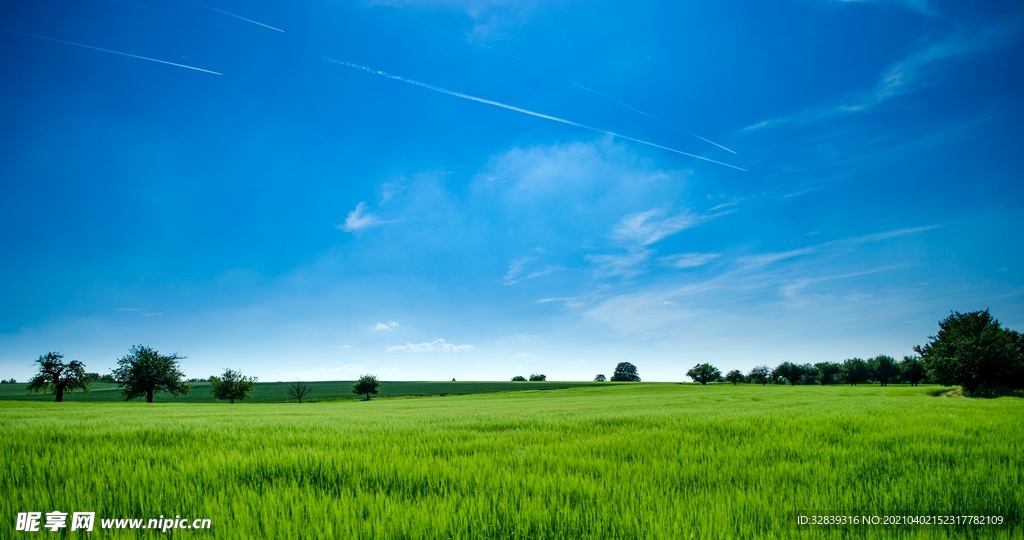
x,y
600,378
735,376
146,372
232,385
912,370
57,377
366,385
760,374
298,390
625,372
788,371
883,368
518,378
827,372
854,370
538,377
974,351
704,373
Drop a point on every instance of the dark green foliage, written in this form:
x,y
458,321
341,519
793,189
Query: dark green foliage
x,y
760,374
600,378
735,376
974,351
625,372
854,371
538,377
518,378
704,373
366,385
298,390
106,378
827,372
12,380
232,385
146,372
912,370
789,372
883,369
56,377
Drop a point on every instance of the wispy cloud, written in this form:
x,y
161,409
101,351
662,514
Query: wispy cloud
x,y
517,271
689,260
438,345
359,219
627,265
645,228
386,325
906,75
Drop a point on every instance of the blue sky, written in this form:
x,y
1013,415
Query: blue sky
x,y
297,217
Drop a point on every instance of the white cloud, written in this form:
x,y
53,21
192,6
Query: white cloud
x,y
689,260
359,219
628,265
648,227
386,325
438,345
904,76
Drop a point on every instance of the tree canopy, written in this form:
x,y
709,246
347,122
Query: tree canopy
x,y
912,370
56,377
298,390
974,351
827,372
625,372
788,371
366,385
735,376
232,385
600,378
760,374
854,370
146,372
538,377
518,378
704,373
883,368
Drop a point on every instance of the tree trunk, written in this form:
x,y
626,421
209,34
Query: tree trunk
x,y
149,396
60,393
232,401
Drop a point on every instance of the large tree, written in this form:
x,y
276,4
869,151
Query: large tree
x,y
883,368
57,377
625,372
298,390
854,370
146,372
760,374
366,385
974,351
912,370
789,371
232,385
827,372
735,376
704,373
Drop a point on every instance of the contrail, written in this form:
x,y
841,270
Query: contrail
x,y
235,16
651,116
110,51
470,40
517,109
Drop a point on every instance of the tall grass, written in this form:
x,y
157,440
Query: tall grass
x,y
625,461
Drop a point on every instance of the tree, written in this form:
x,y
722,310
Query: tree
x,y
57,377
625,372
232,385
760,374
854,370
735,376
518,378
146,372
912,370
789,371
704,373
974,351
883,368
827,372
298,391
600,378
366,385
538,377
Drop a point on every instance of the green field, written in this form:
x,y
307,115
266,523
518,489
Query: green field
x,y
277,392
613,461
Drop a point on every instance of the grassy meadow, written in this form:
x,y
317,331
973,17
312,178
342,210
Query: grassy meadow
x,y
613,461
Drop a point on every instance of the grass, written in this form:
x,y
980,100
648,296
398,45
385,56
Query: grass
x,y
613,461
